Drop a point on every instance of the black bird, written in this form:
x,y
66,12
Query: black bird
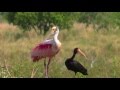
x,y
74,65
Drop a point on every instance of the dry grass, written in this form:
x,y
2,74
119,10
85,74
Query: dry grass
x,y
102,47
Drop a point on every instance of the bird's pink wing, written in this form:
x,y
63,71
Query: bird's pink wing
x,y
41,51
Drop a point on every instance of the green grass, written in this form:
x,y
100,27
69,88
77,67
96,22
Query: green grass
x,y
102,46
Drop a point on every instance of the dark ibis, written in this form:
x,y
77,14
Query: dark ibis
x,y
74,65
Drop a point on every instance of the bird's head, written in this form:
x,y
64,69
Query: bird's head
x,y
55,30
77,50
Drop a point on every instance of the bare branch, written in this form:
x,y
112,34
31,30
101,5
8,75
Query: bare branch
x,y
33,73
6,67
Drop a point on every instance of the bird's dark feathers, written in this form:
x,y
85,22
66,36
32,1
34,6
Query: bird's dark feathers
x,y
75,66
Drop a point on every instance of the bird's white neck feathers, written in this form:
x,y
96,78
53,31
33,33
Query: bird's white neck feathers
x,y
55,38
56,35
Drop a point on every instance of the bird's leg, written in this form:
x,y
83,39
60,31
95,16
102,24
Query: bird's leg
x,y
75,74
47,68
45,63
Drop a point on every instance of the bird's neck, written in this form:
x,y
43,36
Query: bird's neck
x,y
73,56
56,37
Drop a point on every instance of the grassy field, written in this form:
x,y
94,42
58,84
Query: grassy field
x,y
102,47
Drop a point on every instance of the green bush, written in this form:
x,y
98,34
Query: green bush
x,y
41,20
102,19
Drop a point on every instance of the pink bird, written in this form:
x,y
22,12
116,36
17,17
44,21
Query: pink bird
x,y
47,49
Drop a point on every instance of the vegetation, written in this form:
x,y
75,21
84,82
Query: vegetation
x,y
100,19
102,48
41,20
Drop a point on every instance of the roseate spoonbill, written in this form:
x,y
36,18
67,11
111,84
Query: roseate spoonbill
x,y
47,49
75,65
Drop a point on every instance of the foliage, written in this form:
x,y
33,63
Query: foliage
x,y
102,19
41,20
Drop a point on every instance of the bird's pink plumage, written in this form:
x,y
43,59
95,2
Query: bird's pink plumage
x,y
42,51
